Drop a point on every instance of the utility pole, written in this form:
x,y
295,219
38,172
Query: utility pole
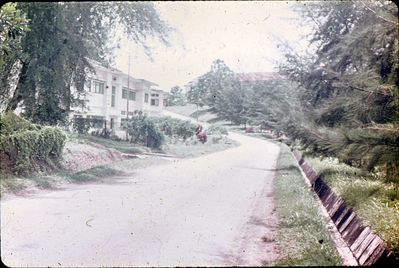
x,y
127,96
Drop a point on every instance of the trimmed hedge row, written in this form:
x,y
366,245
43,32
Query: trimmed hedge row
x,y
26,144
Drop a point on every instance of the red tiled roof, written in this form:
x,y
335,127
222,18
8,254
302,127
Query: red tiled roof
x,y
259,76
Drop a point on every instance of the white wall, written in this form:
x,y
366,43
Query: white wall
x,y
100,104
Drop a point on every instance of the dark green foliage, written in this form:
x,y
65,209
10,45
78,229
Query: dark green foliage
x,y
348,85
10,122
25,145
150,131
219,90
55,52
13,25
143,130
176,128
81,125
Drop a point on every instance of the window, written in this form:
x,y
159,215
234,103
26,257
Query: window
x,y
113,96
112,123
98,87
123,112
165,103
96,121
146,97
154,102
132,95
154,95
126,92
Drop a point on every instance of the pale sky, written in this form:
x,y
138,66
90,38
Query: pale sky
x,y
242,34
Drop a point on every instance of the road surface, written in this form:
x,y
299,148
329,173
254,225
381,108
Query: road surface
x,y
214,210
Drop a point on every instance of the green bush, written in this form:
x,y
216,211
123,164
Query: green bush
x,y
10,122
217,129
143,130
25,143
81,125
175,128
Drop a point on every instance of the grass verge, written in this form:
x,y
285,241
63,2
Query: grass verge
x,y
194,148
375,201
122,146
303,236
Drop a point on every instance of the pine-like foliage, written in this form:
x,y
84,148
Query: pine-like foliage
x,y
349,84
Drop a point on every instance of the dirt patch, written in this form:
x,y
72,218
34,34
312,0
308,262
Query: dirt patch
x,y
81,156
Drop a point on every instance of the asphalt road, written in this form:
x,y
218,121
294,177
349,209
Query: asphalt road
x,y
214,210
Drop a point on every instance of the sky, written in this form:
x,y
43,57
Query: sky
x,y
244,34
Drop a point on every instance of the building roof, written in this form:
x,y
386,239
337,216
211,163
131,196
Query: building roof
x,y
119,72
259,76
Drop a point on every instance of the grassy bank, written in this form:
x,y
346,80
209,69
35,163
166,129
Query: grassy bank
x,y
190,148
122,146
303,236
375,202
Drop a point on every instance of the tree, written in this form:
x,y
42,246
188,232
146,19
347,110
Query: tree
x,y
209,89
176,96
13,26
349,84
78,32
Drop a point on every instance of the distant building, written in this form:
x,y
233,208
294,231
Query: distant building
x,y
112,96
247,78
259,77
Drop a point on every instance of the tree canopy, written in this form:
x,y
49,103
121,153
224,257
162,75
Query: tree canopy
x,y
342,96
176,96
62,37
349,84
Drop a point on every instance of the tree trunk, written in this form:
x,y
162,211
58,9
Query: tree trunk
x,y
17,95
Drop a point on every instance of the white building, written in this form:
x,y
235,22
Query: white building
x,y
112,96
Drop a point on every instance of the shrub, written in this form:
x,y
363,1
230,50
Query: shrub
x,y
176,128
217,129
143,130
10,122
184,129
81,125
26,143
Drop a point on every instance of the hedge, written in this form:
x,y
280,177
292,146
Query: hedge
x,y
26,144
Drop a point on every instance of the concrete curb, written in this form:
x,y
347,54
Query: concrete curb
x,y
367,247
